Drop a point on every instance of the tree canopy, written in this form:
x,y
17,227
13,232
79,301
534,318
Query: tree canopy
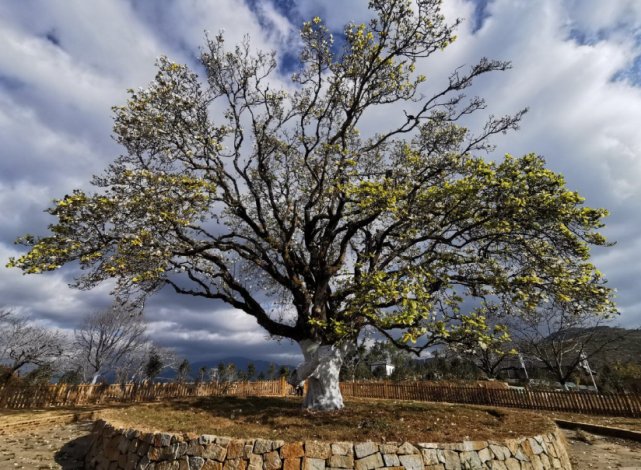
x,y
272,200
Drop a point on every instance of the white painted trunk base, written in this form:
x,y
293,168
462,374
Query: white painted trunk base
x,y
321,369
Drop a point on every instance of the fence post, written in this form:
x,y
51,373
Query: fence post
x,y
283,386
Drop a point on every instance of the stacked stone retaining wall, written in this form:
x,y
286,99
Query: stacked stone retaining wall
x,y
129,449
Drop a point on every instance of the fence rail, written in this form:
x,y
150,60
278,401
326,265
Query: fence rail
x,y
574,402
55,395
74,395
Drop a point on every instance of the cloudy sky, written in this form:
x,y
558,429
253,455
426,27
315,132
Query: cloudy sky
x,y
64,63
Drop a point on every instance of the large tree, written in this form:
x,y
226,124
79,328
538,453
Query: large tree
x,y
236,190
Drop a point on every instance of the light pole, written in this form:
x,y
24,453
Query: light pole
x,y
527,377
586,365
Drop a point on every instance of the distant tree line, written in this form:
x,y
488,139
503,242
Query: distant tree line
x,y
559,354
549,347
112,345
109,345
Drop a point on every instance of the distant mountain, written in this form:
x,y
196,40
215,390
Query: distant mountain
x,y
621,344
624,345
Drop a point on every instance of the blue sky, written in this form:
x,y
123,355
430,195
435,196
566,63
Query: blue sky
x,y
64,63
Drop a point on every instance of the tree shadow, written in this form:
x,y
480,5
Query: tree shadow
x,y
72,455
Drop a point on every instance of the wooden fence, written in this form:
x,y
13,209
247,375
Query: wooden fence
x,y
573,402
76,395
54,395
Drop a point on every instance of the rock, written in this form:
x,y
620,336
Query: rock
x,y
277,444
272,461
196,463
341,461
497,465
317,450
473,445
181,449
124,444
162,439
485,455
168,465
369,462
411,461
235,464
427,445
235,449
520,455
535,446
513,445
195,450
143,447
342,448
512,464
430,456
207,439
255,462
153,454
211,465
215,451
292,450
470,459
262,446
132,461
169,452
407,448
143,463
313,464
536,462
363,449
501,452
391,460
449,459
291,464
545,461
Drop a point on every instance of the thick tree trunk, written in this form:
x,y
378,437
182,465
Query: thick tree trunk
x,y
321,370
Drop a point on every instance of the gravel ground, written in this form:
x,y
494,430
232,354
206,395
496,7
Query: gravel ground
x,y
62,446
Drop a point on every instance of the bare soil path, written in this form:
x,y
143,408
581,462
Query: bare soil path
x,y
592,452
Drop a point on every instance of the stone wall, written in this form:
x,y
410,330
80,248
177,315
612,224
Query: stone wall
x,y
127,449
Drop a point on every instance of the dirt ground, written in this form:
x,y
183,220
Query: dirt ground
x,y
282,418
589,451
62,446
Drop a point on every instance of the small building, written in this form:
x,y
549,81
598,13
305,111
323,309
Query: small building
x,y
384,368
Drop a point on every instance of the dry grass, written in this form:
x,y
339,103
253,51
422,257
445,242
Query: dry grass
x,y
361,420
